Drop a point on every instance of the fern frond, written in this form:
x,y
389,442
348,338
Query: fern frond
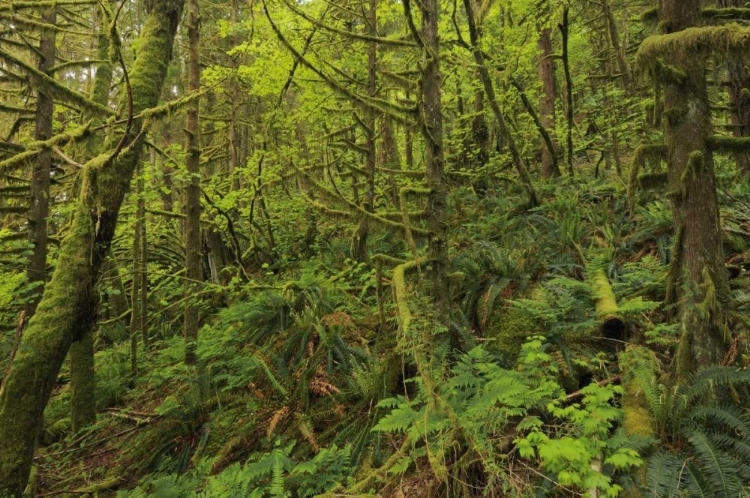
x,y
717,467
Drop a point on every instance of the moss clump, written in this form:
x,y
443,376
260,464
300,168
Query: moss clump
x,y
508,327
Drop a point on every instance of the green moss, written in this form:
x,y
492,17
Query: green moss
x,y
400,293
674,266
508,328
604,298
67,308
667,74
54,88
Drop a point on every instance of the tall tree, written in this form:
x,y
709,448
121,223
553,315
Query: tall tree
x,y
698,278
431,105
193,269
67,307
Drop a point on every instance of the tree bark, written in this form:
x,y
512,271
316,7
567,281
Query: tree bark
x,y
67,307
193,253
614,37
569,151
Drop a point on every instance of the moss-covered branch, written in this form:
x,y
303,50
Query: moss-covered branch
x,y
720,143
726,14
56,89
17,6
14,109
400,293
34,148
693,42
376,104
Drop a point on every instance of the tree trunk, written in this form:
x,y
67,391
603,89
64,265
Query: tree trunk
x,y
141,272
36,272
67,307
359,244
614,37
193,255
82,383
699,279
547,98
564,29
82,371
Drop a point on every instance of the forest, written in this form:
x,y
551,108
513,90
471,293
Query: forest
x,y
374,248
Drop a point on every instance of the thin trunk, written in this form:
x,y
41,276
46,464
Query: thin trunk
x,y
142,267
614,37
390,156
36,272
135,296
67,307
359,243
82,383
409,143
480,131
547,99
193,255
564,27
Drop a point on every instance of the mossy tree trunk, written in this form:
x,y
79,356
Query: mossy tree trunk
x,y
432,131
193,253
82,372
699,279
67,307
